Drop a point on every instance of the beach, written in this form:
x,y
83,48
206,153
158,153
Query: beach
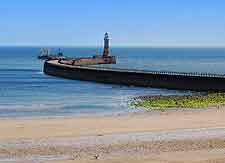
x,y
112,81
173,136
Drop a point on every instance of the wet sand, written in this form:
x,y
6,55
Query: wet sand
x,y
183,136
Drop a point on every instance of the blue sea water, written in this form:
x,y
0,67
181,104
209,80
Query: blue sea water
x,y
26,92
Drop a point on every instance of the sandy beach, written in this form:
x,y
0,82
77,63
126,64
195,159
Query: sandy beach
x,y
112,81
177,136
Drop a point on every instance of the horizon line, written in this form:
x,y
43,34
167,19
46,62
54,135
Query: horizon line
x,y
119,46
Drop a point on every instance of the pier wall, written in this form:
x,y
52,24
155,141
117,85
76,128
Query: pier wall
x,y
166,80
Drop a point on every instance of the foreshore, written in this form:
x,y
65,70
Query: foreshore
x,y
192,136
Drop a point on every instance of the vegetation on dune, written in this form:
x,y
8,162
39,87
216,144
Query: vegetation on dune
x,y
195,101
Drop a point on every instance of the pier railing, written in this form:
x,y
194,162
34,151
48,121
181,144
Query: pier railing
x,y
195,74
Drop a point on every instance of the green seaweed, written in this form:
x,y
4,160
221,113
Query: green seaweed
x,y
195,101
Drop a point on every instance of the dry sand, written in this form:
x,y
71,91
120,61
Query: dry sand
x,y
192,136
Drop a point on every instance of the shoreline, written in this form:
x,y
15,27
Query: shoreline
x,y
135,111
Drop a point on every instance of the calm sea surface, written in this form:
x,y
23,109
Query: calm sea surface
x,y
26,92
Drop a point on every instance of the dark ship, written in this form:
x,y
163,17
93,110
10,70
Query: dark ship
x,y
105,58
46,55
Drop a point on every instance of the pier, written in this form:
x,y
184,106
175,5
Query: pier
x,y
140,78
78,69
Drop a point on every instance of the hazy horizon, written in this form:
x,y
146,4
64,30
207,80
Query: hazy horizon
x,y
117,46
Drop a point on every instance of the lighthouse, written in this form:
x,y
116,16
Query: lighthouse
x,y
106,46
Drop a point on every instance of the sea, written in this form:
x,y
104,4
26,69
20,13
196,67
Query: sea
x,y
25,91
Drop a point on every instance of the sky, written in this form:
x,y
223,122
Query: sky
x,y
129,22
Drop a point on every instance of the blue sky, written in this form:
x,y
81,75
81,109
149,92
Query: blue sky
x,y
130,22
